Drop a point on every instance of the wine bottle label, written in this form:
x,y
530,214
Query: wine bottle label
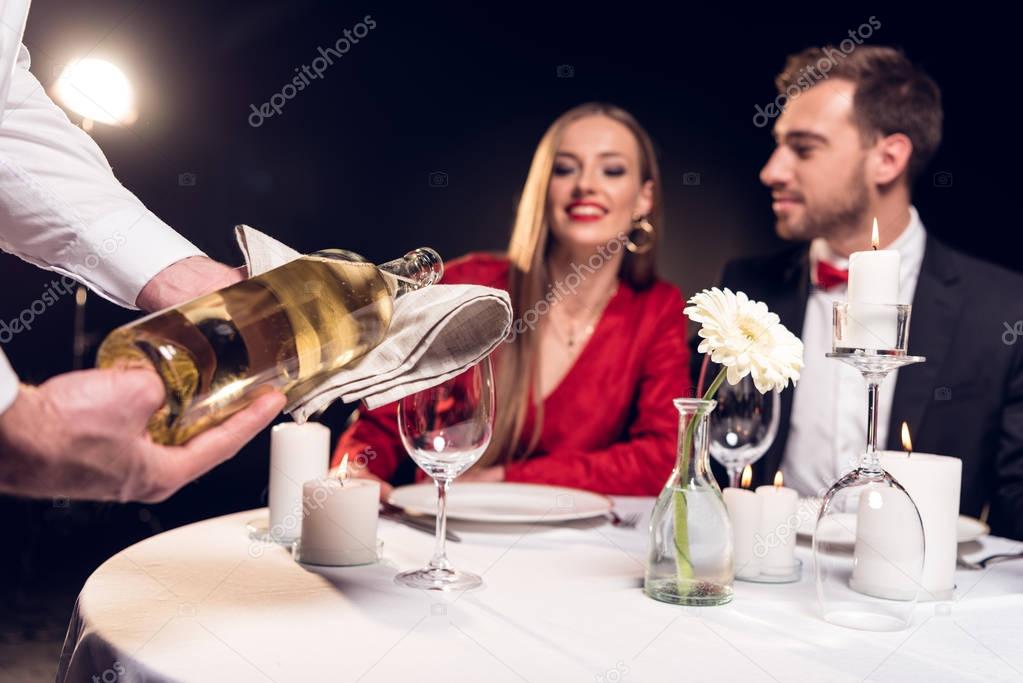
x,y
288,329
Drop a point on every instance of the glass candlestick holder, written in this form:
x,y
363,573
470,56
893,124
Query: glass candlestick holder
x,y
868,544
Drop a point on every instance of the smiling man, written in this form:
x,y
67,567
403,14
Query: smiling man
x,y
848,149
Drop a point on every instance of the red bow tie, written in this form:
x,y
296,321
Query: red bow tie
x,y
829,277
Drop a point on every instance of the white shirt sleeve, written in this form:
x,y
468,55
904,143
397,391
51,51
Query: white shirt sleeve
x,y
62,209
8,383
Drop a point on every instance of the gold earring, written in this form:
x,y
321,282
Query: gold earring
x,y
646,243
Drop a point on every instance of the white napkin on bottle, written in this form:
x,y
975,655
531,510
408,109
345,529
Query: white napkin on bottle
x,y
435,334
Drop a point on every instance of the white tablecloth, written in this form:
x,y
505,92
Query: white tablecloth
x,y
560,603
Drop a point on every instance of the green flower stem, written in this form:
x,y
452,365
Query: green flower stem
x,y
713,388
682,558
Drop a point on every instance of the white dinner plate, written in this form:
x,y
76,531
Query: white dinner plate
x,y
504,502
841,527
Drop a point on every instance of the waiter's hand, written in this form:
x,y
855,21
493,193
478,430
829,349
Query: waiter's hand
x,y
83,435
185,280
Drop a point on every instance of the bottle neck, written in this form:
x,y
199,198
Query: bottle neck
x,y
417,269
693,463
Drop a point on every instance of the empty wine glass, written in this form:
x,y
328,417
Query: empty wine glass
x,y
446,429
876,586
743,426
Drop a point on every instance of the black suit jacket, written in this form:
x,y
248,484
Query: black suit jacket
x,y
965,401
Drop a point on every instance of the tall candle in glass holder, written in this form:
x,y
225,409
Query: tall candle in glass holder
x,y
873,286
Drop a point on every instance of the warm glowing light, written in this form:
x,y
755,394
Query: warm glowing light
x,y
747,477
875,237
342,469
438,443
907,443
779,480
97,91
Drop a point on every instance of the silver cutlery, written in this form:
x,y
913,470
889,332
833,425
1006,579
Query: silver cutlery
x,y
401,516
990,559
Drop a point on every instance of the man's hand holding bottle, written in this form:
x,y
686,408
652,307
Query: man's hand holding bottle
x,y
83,434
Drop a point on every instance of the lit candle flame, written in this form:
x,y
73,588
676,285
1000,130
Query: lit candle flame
x,y
341,471
779,480
875,238
747,477
907,443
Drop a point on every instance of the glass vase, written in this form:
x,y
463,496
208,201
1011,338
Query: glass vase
x,y
690,560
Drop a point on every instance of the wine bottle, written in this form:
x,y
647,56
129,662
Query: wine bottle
x,y
286,329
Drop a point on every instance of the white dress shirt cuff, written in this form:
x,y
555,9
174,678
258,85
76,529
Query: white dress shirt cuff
x,y
9,384
123,251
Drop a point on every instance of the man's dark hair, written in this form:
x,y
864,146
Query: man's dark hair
x,y
892,95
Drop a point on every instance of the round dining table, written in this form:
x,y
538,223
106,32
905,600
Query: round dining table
x,y
560,602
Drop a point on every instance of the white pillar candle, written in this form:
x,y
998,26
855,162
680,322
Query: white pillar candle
x,y
340,522
776,541
888,552
874,277
744,514
933,482
298,453
873,280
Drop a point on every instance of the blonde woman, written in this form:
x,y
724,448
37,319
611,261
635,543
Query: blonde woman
x,y
598,349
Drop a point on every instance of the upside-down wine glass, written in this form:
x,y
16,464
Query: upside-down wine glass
x,y
875,587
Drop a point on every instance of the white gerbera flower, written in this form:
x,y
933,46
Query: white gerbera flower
x,y
746,338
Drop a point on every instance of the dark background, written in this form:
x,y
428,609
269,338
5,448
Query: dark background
x,y
422,134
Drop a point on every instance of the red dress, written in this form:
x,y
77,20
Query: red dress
x,y
610,425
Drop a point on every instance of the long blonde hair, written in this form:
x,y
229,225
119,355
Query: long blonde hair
x,y
517,363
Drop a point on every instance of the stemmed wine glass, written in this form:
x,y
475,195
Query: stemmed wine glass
x,y
876,589
743,426
446,429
